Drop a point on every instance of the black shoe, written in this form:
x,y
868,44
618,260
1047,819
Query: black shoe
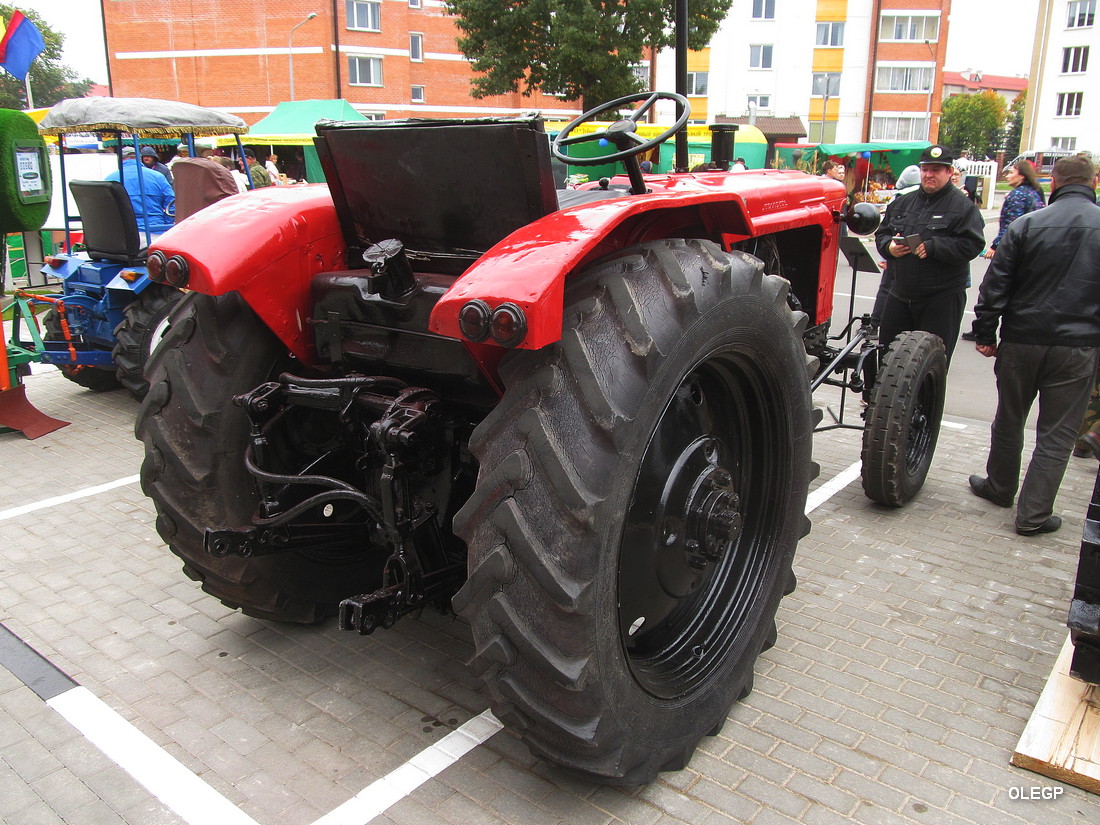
x,y
1048,526
1092,441
968,336
979,485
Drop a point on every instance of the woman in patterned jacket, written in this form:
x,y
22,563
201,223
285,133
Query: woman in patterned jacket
x,y
1026,196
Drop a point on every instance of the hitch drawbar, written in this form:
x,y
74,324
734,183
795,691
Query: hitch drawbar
x,y
398,432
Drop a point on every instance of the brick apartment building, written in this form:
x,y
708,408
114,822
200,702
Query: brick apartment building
x,y
830,70
388,58
905,88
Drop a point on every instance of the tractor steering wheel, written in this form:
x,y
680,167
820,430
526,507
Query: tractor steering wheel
x,y
622,133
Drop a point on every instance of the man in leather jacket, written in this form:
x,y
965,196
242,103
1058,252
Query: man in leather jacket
x,y
929,280
1043,288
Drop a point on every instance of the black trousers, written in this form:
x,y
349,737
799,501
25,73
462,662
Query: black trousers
x,y
941,315
1062,378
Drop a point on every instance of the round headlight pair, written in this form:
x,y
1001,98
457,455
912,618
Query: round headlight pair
x,y
164,270
506,325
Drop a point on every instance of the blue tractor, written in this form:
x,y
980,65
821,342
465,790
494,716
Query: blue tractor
x,y
109,316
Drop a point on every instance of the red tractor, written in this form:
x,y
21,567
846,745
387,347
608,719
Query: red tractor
x,y
581,417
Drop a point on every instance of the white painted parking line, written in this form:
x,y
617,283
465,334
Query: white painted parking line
x,y
65,499
873,297
833,486
197,803
161,773
379,796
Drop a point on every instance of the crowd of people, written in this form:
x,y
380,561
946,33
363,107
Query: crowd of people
x,y
1037,313
163,194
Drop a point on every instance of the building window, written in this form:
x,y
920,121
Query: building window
x,y
414,4
904,78
697,83
416,47
819,135
641,74
910,28
374,115
763,9
899,128
417,94
365,71
1075,60
760,101
1069,104
364,14
830,34
1067,144
826,83
760,57
1081,13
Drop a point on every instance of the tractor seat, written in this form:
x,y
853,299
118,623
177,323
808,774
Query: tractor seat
x,y
110,228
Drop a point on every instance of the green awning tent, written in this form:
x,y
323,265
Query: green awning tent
x,y
749,143
896,154
291,124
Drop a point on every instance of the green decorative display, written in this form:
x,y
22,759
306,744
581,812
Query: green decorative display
x,y
25,184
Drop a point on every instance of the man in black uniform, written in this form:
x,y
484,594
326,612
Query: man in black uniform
x,y
930,276
1043,289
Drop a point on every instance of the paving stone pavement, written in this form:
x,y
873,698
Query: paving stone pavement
x,y
908,661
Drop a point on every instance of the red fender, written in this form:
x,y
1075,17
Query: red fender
x,y
267,245
270,251
529,267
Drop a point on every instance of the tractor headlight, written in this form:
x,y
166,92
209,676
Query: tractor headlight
x,y
155,265
176,272
473,320
508,325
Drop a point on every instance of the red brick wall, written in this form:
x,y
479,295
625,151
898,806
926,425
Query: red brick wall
x,y
260,81
913,52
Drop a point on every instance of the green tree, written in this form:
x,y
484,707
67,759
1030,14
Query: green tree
x,y
974,123
51,80
580,49
1015,128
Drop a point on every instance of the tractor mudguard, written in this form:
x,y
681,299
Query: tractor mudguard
x,y
62,266
267,252
136,282
529,267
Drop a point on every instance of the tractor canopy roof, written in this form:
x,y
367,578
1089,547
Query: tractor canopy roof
x,y
145,117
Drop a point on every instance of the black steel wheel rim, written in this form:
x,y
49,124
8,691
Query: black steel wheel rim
x,y
919,440
701,525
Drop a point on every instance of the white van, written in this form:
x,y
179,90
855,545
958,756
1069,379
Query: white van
x,y
1044,160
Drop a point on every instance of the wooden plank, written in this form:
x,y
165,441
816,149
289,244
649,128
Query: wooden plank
x,y
1062,738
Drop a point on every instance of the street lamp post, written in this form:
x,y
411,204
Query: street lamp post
x,y
290,49
931,85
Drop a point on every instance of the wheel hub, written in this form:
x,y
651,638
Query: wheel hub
x,y
700,517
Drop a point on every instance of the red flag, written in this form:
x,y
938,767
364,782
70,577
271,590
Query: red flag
x,y
21,44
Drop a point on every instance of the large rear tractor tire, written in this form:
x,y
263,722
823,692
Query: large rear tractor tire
x,y
143,328
194,470
641,492
96,379
903,418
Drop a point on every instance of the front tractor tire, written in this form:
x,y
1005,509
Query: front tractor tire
x,y
641,492
194,470
142,329
903,418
